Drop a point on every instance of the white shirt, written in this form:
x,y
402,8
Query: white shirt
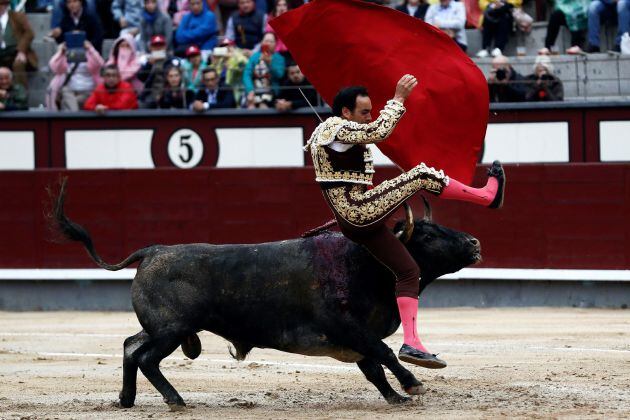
x,y
451,17
81,80
411,9
4,21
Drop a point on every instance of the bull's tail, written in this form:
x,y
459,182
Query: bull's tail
x,y
59,222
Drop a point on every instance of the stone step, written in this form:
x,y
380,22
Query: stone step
x,y
535,40
40,22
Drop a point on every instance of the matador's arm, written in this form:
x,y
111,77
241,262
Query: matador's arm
x,y
378,130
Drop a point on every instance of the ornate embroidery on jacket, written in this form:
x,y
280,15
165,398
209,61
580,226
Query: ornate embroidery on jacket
x,y
344,131
360,206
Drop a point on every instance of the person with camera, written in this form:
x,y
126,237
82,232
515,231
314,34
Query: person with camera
x,y
152,73
263,74
77,17
193,66
73,81
229,61
112,94
543,85
496,25
504,83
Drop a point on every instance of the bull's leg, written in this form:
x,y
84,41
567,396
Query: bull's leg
x,y
149,363
372,347
374,373
132,348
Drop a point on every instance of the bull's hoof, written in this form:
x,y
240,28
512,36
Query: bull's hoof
x,y
416,390
176,407
397,399
126,401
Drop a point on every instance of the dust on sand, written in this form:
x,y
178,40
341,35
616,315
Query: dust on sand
x,y
534,362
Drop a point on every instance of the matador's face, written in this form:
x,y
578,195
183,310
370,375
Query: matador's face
x,y
362,113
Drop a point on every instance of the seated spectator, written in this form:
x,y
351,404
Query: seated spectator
x,y
230,63
12,95
112,94
263,74
212,96
543,85
59,8
246,26
152,72
290,97
123,55
128,14
193,67
415,8
505,84
77,18
573,15
72,84
175,95
154,22
279,8
604,10
16,36
198,28
497,25
450,17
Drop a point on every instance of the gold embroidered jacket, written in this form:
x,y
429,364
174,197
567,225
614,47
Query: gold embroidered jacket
x,y
356,164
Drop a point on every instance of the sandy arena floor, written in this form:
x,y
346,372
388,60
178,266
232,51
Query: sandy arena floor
x,y
534,362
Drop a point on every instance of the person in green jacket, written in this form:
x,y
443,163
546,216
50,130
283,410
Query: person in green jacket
x,y
12,96
263,73
573,15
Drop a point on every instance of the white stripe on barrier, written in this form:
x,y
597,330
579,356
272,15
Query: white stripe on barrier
x,y
464,274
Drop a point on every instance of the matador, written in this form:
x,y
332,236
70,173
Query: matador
x,y
344,169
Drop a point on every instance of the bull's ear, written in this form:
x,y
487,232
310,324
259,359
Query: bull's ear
x,y
428,212
405,233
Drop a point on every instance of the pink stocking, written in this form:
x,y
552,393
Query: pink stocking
x,y
408,309
455,190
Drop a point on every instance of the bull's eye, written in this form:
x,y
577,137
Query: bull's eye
x,y
428,237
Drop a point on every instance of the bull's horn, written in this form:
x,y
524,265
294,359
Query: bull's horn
x,y
428,213
405,234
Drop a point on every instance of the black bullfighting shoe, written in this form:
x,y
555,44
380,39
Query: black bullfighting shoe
x,y
417,357
496,171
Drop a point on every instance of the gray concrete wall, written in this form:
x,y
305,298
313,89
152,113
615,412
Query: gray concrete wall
x,y
115,295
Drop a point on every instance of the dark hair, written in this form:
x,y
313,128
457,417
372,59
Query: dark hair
x,y
347,97
209,70
109,67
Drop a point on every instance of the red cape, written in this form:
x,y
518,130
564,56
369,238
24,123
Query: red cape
x,y
340,43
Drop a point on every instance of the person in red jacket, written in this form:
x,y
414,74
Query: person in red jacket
x,y
112,93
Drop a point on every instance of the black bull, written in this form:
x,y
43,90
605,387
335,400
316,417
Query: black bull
x,y
321,296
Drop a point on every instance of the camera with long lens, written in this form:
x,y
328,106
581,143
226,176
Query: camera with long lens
x,y
501,74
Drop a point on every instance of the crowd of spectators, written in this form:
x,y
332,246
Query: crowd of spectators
x,y
205,54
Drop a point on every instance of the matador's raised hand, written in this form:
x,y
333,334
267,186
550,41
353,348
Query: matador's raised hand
x,y
404,87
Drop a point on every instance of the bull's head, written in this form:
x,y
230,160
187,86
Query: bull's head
x,y
437,250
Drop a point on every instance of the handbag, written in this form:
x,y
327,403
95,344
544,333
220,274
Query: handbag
x,y
63,85
522,20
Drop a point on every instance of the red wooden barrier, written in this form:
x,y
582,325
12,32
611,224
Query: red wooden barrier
x,y
555,216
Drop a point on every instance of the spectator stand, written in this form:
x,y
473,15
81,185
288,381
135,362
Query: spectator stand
x,y
593,76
